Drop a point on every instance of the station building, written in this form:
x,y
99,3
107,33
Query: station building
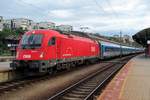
x,y
43,25
143,38
1,23
66,28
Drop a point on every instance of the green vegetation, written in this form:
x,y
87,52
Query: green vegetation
x,y
4,34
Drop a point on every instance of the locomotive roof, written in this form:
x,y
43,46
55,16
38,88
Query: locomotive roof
x,y
43,31
77,33
58,33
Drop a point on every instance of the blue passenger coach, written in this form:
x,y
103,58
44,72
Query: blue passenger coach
x,y
109,50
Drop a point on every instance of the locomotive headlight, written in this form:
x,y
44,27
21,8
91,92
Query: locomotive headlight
x,y
42,55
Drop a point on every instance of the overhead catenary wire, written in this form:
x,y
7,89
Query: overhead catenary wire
x,y
116,15
102,9
113,11
99,6
37,7
40,9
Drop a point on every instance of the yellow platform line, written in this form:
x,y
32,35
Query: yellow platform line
x,y
128,66
125,80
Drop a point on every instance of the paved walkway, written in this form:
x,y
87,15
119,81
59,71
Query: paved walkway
x,y
131,83
6,58
4,66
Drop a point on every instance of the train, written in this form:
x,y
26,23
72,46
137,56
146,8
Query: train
x,y
45,51
109,50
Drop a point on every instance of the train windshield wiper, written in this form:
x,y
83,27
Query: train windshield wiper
x,y
25,46
33,46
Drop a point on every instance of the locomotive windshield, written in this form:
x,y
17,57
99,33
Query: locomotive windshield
x,y
31,41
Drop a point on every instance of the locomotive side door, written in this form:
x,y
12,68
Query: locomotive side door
x,y
52,48
58,49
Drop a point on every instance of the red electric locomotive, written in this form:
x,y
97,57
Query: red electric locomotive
x,y
48,50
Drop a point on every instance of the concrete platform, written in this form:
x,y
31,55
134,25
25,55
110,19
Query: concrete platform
x,y
6,58
131,83
4,66
6,73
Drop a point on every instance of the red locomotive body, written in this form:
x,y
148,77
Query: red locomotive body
x,y
46,50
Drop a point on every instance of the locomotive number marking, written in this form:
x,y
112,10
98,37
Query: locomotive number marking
x,y
26,56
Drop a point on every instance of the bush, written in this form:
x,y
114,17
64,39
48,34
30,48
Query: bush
x,y
5,33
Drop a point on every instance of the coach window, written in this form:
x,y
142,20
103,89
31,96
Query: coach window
x,y
52,41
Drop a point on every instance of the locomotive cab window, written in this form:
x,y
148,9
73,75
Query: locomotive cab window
x,y
31,41
52,41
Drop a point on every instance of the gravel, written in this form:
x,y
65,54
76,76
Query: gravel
x,y
45,89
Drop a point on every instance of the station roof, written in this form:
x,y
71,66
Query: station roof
x,y
142,37
13,37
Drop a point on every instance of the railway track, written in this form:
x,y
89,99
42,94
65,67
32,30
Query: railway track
x,y
86,88
81,90
9,86
17,84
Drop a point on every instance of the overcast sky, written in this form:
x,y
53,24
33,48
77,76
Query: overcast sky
x,y
104,16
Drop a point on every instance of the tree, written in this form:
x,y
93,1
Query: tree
x,y
19,31
3,34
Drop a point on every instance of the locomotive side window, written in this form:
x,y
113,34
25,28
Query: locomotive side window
x,y
52,41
